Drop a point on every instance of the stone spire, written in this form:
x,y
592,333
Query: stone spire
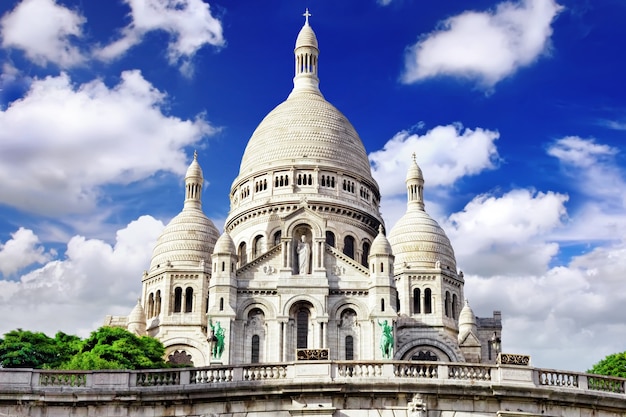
x,y
415,186
306,54
193,185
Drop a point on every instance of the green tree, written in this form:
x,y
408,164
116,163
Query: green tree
x,y
116,348
25,349
613,365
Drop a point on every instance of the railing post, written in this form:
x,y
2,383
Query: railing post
x,y
387,370
443,371
583,382
237,373
185,377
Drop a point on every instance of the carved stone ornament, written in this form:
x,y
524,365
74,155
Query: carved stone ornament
x,y
417,407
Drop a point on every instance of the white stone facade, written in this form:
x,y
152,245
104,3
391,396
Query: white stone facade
x,y
305,179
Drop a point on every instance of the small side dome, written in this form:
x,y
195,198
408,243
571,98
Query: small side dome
x,y
467,317
137,320
380,245
224,245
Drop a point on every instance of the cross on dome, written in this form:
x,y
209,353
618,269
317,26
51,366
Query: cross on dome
x,y
306,16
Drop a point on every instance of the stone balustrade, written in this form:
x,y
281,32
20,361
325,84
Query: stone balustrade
x,y
316,388
324,371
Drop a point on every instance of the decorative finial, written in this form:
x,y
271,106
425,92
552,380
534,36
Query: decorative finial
x,y
306,16
413,156
195,155
380,229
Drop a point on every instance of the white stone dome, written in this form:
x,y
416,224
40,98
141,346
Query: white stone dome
x,y
380,245
305,127
417,239
189,237
224,245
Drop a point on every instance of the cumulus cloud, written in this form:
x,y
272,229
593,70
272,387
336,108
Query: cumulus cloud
x,y
445,154
22,250
94,279
45,31
507,235
67,141
564,317
485,46
189,23
595,174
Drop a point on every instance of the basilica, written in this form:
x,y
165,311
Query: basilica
x,y
305,268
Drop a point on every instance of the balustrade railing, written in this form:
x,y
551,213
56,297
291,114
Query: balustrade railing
x,y
157,378
416,370
557,378
359,369
606,384
476,372
330,371
261,372
63,379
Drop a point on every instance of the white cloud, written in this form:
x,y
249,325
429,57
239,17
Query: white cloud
x,y
189,23
582,153
445,154
22,250
507,235
45,31
76,293
595,174
565,317
66,141
485,46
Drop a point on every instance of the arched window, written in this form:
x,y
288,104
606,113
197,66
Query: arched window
x,y
157,302
178,299
428,301
382,304
223,266
417,301
365,254
151,305
302,326
277,236
330,238
348,246
349,348
258,246
254,357
188,300
243,259
447,306
222,304
454,301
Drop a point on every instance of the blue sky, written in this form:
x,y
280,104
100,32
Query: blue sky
x,y
516,112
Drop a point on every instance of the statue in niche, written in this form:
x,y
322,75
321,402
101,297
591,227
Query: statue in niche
x,y
304,253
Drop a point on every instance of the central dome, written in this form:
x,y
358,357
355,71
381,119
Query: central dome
x,y
305,127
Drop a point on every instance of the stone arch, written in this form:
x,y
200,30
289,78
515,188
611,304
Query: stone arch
x,y
314,224
318,308
252,303
199,351
405,351
359,307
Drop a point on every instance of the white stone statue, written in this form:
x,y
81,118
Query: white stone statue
x,y
304,253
